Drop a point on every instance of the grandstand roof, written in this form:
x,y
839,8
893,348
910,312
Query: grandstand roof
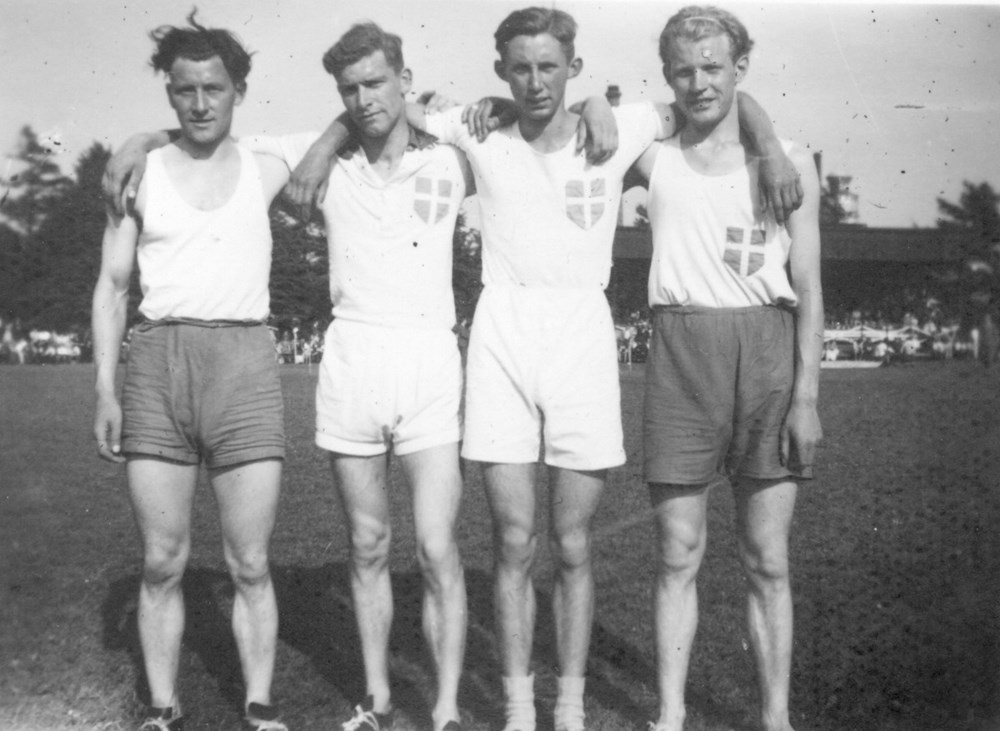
x,y
846,243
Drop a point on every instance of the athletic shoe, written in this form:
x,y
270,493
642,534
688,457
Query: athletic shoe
x,y
163,719
366,719
262,718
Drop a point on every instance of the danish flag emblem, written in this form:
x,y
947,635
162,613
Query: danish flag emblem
x,y
432,198
744,252
585,201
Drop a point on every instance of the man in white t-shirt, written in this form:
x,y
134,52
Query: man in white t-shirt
x,y
733,372
201,385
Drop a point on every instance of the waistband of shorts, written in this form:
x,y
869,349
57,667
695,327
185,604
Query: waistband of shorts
x,y
147,325
750,311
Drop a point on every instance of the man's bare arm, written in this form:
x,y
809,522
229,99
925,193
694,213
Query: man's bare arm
x,y
124,171
802,430
780,188
110,307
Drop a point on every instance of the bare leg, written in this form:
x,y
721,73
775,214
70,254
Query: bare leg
x,y
436,482
248,503
681,535
162,494
510,490
362,484
764,517
574,499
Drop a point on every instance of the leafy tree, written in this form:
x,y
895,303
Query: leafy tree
x,y
64,254
37,186
300,282
50,252
467,268
978,212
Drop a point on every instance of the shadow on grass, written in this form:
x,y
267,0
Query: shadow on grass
x,y
317,620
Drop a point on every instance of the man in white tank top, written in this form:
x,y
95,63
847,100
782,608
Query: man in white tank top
x,y
201,383
733,375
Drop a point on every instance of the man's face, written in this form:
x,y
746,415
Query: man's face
x,y
704,76
372,92
203,96
536,68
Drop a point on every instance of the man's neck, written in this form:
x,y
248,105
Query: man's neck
x,y
213,151
384,153
723,134
551,134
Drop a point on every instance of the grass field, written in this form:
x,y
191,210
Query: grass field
x,y
896,559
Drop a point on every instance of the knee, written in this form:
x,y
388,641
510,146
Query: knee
x,y
437,552
680,553
248,568
370,546
515,546
164,563
572,548
764,563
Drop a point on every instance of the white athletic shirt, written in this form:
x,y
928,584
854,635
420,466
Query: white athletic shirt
x,y
548,219
710,246
204,265
390,241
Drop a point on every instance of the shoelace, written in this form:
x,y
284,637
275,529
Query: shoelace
x,y
361,717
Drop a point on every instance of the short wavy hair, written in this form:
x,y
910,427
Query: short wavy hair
x,y
696,22
362,40
198,43
535,21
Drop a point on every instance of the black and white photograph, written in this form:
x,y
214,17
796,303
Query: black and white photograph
x,y
470,365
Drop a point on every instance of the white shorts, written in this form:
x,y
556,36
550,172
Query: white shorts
x,y
382,387
543,363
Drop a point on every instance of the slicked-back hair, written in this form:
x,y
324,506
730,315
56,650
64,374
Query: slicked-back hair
x,y
536,21
696,22
198,43
362,40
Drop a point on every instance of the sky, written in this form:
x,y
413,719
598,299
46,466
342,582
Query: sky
x,y
904,98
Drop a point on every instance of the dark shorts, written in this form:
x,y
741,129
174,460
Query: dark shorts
x,y
718,387
202,392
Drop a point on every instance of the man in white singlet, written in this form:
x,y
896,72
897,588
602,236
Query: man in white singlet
x,y
733,374
201,383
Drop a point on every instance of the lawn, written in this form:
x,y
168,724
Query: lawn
x,y
895,548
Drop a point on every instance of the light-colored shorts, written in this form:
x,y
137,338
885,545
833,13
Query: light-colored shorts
x,y
382,387
543,363
207,391
718,386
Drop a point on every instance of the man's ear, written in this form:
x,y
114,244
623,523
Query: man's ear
x,y
575,67
170,98
406,80
666,72
241,92
742,68
500,68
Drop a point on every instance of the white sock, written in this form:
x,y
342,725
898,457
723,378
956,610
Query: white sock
x,y
569,704
519,703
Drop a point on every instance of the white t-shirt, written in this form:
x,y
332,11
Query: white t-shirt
x,y
548,219
390,241
204,265
711,245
